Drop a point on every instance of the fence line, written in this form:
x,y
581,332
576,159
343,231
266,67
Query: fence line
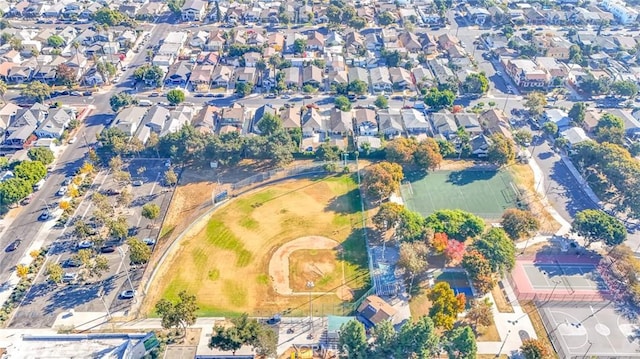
x,y
256,180
558,296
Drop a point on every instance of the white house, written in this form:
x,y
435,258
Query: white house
x,y
194,10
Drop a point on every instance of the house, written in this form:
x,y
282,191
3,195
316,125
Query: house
x,y
401,78
415,122
365,122
313,123
232,116
291,76
246,74
200,77
480,145
445,41
55,123
46,74
193,10
7,114
156,118
444,124
355,42
557,116
494,121
178,74
358,74
390,122
374,310
337,77
290,118
631,124
367,143
623,13
199,39
315,42
410,41
535,17
526,74
215,41
221,76
259,114
477,15
380,79
129,119
469,121
441,71
19,74
312,75
179,117
22,125
591,118
574,135
340,122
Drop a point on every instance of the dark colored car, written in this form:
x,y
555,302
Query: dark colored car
x,y
71,263
108,249
14,245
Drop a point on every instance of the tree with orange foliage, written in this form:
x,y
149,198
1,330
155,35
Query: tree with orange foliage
x,y
439,242
445,305
454,252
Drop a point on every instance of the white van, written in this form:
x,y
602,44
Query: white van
x,y
145,103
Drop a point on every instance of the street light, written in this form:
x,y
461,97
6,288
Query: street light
x,y
121,252
310,286
503,343
100,295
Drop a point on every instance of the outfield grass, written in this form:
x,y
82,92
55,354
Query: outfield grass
x,y
486,193
224,260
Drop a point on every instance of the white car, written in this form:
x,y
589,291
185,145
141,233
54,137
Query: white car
x,y
498,73
127,294
85,245
137,183
149,241
69,277
73,140
62,191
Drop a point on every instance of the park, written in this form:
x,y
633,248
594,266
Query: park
x,y
272,250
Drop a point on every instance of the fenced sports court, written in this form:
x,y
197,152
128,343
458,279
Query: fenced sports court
x,y
589,330
484,192
458,281
558,278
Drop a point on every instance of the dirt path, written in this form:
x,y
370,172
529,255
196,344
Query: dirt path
x,y
279,263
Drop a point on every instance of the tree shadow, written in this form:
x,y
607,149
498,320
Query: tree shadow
x,y
354,249
462,178
347,203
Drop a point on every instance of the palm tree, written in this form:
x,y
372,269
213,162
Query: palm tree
x,y
3,89
260,66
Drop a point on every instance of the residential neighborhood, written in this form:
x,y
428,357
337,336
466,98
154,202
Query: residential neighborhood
x,y
153,150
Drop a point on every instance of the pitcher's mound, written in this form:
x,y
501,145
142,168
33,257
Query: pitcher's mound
x,y
345,293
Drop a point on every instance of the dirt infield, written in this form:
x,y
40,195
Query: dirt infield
x,y
279,263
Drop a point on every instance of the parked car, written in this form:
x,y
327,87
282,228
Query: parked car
x,y
108,249
44,216
72,263
62,191
75,93
137,183
73,140
26,200
286,97
69,277
14,245
154,94
127,294
85,245
198,95
149,241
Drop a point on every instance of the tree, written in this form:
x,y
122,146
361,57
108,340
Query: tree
x,y
299,46
480,313
334,14
139,252
625,88
457,224
501,150
412,259
401,150
454,252
55,272
269,124
151,75
386,18
577,113
150,211
462,343
523,137
416,340
536,101
55,41
437,99
3,89
595,225
36,91
118,228
518,223
382,179
124,198
13,190
244,89
535,349
427,154
175,96
342,103
176,7
358,23
328,153
498,249
170,177
388,216
550,129
42,154
381,102
358,87
445,305
98,267
31,171
476,83
439,242
22,271
610,129
65,75
244,331
180,314
479,270
353,340
120,100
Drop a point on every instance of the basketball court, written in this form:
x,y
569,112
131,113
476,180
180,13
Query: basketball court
x,y
590,330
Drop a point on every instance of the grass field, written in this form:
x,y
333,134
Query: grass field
x,y
224,259
486,193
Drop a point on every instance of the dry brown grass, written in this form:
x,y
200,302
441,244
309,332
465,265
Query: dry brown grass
x,y
488,334
224,259
531,309
523,176
317,266
500,300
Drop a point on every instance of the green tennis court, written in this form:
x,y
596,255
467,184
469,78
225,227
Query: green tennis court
x,y
486,193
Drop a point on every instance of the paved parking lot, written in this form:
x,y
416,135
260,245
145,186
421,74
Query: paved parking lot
x,y
46,300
